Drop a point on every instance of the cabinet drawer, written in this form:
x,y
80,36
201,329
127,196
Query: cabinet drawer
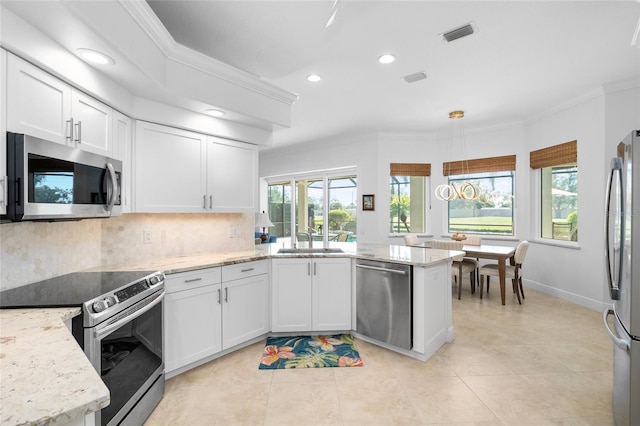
x,y
243,270
193,279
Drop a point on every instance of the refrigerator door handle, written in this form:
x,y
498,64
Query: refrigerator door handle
x,y
618,341
614,284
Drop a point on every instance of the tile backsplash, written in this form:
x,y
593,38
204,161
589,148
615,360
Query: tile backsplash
x,y
33,251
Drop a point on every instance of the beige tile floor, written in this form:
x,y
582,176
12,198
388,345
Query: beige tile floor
x,y
546,362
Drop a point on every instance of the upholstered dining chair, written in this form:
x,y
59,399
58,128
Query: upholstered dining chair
x,y
514,272
460,265
411,240
474,240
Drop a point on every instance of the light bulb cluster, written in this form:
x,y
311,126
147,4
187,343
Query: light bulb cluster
x,y
466,191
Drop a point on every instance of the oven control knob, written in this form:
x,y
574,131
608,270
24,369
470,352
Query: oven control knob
x,y
101,305
155,279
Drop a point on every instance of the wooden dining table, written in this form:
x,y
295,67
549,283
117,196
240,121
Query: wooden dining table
x,y
499,253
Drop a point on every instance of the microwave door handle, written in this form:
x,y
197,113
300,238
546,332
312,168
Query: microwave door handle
x,y
616,168
112,190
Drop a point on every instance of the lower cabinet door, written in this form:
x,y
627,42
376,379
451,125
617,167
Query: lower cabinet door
x,y
245,310
331,294
192,325
291,295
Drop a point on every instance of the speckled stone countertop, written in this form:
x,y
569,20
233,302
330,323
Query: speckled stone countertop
x,y
45,377
41,385
386,253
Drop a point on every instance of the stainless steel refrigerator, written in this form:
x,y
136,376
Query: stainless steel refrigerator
x,y
622,233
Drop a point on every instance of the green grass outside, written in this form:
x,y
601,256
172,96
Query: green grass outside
x,y
484,224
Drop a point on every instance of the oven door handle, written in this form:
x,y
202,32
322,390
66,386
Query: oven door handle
x,y
99,334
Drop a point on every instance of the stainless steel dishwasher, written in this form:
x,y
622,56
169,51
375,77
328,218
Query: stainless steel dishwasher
x,y
384,302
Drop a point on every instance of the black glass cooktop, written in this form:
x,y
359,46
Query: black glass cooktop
x,y
68,290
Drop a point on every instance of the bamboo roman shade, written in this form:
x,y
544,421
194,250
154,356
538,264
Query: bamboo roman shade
x,y
479,165
556,155
410,169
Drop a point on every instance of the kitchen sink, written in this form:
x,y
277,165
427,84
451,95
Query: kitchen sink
x,y
311,250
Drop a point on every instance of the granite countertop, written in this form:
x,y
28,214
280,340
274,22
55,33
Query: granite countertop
x,y
386,253
45,377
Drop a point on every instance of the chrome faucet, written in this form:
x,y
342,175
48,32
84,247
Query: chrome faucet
x,y
310,232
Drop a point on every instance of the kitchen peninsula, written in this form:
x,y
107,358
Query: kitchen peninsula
x,y
432,319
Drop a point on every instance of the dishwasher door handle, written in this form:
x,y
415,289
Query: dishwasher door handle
x,y
377,268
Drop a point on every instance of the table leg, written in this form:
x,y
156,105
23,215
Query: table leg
x,y
502,271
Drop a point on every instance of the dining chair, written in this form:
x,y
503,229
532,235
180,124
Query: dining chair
x,y
411,240
514,272
460,264
474,240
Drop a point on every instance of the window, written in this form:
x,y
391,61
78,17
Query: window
x,y
323,206
408,203
493,212
558,191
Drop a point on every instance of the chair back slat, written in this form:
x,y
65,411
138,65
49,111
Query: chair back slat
x,y
448,245
473,240
411,240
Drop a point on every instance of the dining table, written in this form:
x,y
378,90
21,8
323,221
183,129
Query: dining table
x,y
484,251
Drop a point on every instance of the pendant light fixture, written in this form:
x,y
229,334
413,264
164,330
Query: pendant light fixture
x,y
466,190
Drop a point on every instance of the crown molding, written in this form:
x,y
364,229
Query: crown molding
x,y
144,16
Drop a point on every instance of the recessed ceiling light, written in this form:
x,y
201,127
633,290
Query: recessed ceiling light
x,y
215,112
95,57
314,78
387,58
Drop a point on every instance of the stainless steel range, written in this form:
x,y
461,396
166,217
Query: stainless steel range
x,y
120,330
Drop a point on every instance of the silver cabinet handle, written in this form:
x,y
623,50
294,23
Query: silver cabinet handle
x,y
219,300
315,266
226,294
204,201
308,268
5,190
210,201
619,342
79,132
246,270
192,280
70,129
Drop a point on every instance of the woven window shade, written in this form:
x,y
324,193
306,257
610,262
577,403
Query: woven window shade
x,y
410,169
479,165
556,155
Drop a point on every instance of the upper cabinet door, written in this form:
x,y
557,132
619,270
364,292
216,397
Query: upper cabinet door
x,y
232,176
92,124
38,104
170,170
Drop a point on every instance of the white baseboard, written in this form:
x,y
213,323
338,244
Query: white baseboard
x,y
596,305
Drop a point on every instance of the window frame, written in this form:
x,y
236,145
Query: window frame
x,y
324,176
413,170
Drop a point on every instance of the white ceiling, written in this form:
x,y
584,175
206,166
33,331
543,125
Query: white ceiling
x,y
527,57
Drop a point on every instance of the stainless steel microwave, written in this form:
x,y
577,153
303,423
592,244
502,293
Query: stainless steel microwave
x,y
51,181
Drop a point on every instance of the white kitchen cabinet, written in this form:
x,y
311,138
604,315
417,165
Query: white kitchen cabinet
x,y
311,294
245,306
177,171
40,105
331,294
232,176
122,136
192,316
170,170
3,132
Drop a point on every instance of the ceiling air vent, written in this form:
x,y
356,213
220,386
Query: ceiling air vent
x,y
459,32
416,76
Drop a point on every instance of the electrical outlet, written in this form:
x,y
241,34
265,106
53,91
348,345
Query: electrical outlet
x,y
147,238
235,232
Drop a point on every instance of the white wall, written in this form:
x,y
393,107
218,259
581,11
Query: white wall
x,y
572,273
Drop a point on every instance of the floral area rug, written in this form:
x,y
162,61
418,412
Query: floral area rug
x,y
310,352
